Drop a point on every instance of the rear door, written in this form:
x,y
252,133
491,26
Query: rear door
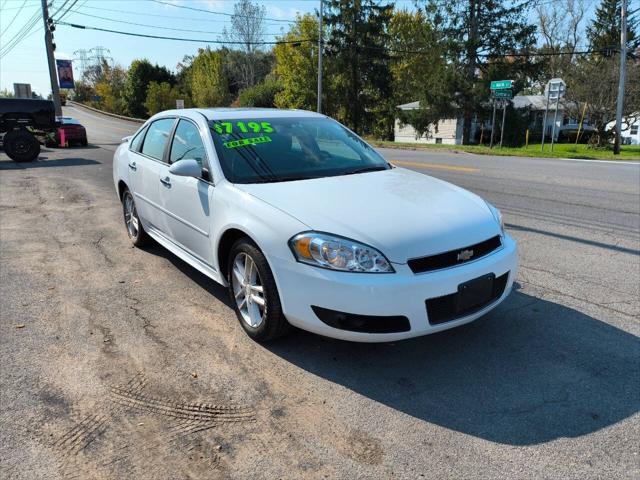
x,y
146,172
186,200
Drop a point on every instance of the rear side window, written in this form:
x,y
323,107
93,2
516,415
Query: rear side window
x,y
137,140
156,138
187,143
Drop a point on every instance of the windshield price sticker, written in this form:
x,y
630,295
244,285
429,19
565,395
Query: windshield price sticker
x,y
242,127
243,142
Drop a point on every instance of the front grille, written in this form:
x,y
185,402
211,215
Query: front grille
x,y
445,309
455,257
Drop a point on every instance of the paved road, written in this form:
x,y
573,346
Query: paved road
x,y
122,353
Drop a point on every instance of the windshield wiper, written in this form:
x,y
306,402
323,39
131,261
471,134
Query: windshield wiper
x,y
366,169
283,179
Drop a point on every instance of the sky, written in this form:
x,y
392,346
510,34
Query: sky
x,y
27,61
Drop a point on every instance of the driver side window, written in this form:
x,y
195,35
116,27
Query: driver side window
x,y
187,144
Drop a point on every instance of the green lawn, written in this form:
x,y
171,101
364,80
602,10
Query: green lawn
x,y
560,150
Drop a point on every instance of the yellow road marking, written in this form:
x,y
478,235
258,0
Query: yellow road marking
x,y
436,166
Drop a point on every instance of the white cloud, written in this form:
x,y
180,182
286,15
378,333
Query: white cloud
x,y
213,4
285,14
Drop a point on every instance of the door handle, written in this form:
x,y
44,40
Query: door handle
x,y
132,166
166,181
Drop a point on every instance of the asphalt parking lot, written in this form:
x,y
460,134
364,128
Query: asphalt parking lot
x,y
119,362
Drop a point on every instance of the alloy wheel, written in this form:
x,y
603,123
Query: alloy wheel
x,y
248,290
131,216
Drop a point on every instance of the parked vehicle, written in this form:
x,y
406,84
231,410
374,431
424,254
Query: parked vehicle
x,y
21,122
630,131
308,225
74,132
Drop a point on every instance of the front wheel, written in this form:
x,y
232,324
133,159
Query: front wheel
x,y
135,230
21,146
253,292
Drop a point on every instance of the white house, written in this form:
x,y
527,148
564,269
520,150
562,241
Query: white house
x,y
449,131
630,134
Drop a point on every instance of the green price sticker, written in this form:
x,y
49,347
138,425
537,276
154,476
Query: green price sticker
x,y
242,127
244,142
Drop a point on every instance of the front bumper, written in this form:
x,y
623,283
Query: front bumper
x,y
400,294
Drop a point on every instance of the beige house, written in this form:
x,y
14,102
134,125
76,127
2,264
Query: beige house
x,y
447,131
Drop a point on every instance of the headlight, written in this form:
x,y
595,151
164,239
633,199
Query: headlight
x,y
337,253
497,215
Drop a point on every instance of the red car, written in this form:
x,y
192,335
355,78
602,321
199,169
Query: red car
x,y
74,132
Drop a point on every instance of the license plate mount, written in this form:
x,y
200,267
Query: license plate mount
x,y
474,293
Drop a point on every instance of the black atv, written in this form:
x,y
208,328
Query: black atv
x,y
23,122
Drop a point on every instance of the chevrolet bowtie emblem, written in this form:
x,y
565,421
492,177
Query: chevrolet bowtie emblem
x,y
465,255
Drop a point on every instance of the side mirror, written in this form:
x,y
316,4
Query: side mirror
x,y
186,168
126,139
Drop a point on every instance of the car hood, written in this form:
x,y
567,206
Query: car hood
x,y
403,213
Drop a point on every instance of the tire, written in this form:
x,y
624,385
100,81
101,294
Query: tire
x,y
21,146
132,223
269,322
84,142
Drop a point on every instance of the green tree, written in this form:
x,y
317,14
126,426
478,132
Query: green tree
x,y
604,31
260,95
141,74
423,76
593,82
485,40
109,86
162,96
6,93
357,50
83,92
247,28
239,68
209,86
296,65
560,26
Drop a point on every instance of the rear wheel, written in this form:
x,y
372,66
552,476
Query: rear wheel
x,y
21,146
135,230
254,293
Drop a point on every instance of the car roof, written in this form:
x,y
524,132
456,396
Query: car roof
x,y
233,113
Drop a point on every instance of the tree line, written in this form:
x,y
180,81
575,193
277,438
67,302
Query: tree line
x,y
442,54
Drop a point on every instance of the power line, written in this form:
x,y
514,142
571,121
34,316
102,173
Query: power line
x,y
219,13
60,8
179,39
155,26
158,15
21,34
15,16
66,12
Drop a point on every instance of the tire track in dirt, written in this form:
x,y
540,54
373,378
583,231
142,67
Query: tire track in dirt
x,y
110,425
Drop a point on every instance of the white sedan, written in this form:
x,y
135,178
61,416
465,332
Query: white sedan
x,y
309,226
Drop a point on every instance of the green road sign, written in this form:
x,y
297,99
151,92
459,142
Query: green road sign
x,y
501,84
504,93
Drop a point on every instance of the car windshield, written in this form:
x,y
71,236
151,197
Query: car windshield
x,y
265,150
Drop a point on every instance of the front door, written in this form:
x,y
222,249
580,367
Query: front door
x,y
146,172
186,200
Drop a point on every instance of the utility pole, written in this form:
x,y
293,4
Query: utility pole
x,y
504,117
544,121
320,35
623,73
493,123
82,56
48,41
